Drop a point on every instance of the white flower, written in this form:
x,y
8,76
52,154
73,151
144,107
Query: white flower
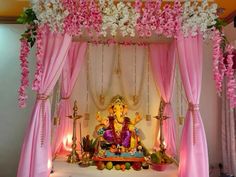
x,y
121,17
51,13
198,17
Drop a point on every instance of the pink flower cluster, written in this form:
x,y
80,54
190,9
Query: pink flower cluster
x,y
84,17
231,80
39,58
153,19
24,52
218,60
223,66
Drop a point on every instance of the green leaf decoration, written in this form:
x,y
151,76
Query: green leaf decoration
x,y
29,17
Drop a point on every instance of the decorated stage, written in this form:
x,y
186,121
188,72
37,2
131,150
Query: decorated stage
x,y
64,169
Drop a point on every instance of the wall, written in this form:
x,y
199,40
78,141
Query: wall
x,y
230,32
13,121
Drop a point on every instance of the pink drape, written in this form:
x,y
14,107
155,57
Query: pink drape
x,y
228,134
70,72
193,147
163,62
35,157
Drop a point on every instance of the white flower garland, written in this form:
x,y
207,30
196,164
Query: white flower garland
x,y
198,18
122,17
51,13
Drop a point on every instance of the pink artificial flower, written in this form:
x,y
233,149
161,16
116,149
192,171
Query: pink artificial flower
x,y
24,52
219,68
39,58
231,80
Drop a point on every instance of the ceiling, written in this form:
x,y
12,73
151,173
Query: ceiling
x,y
12,8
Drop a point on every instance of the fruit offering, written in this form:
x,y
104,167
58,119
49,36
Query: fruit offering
x,y
100,165
136,166
122,167
109,165
117,166
127,165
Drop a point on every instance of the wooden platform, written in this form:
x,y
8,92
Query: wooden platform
x,y
64,169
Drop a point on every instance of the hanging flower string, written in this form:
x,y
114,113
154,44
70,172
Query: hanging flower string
x,y
231,80
24,52
27,40
39,58
218,60
223,66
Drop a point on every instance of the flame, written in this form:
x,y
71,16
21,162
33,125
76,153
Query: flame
x,y
164,143
67,142
49,164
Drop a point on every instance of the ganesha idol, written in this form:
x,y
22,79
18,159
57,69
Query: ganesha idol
x,y
118,130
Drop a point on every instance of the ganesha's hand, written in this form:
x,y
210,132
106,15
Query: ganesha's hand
x,y
137,117
99,117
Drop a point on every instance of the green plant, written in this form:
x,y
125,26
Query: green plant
x,y
160,157
88,145
29,17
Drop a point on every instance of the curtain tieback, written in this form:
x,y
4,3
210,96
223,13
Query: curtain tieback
x,y
43,97
65,98
167,103
192,108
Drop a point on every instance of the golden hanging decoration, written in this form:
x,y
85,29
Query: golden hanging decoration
x,y
148,116
102,96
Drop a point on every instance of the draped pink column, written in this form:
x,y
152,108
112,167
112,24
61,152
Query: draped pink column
x,y
193,147
163,62
35,159
70,72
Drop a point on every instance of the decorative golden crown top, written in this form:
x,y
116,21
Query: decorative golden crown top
x,y
118,100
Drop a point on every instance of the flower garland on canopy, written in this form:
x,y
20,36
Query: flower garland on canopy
x,y
51,13
84,16
153,19
198,17
142,19
122,17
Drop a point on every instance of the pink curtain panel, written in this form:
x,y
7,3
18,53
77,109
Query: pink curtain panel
x,y
163,63
193,147
35,159
69,75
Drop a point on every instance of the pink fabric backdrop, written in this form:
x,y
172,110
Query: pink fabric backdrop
x,y
193,147
70,72
228,134
163,62
35,157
